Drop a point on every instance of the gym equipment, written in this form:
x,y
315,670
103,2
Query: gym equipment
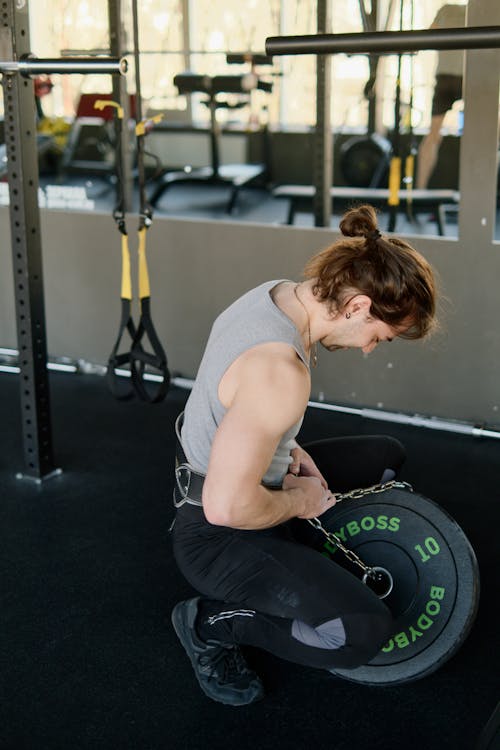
x,y
137,358
234,175
395,166
300,197
364,160
22,156
419,561
90,148
372,161
473,37
409,170
34,66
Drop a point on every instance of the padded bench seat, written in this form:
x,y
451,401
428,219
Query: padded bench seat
x,y
301,197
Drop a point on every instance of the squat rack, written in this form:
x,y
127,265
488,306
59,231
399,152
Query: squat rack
x,y
16,65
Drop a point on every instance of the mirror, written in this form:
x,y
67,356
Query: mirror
x,y
252,119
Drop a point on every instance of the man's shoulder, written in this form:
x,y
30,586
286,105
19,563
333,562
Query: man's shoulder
x,y
251,296
275,358
275,368
273,387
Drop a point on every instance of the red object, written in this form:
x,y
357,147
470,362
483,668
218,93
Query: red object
x,y
43,86
86,106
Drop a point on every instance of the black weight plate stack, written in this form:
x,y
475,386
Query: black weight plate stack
x,y
436,579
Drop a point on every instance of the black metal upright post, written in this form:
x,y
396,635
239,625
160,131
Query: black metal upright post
x,y
369,21
117,44
323,143
214,136
22,156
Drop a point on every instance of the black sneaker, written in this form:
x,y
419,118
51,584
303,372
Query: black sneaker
x,y
220,669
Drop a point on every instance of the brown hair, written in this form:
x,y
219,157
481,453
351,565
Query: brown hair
x,y
398,280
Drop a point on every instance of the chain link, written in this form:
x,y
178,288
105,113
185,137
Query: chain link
x,y
357,494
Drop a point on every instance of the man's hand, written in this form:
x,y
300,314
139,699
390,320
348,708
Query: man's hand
x,y
315,496
303,466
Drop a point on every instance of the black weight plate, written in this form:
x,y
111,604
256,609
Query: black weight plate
x,y
361,157
436,579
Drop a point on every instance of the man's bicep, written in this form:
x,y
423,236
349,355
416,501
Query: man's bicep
x,y
261,412
244,444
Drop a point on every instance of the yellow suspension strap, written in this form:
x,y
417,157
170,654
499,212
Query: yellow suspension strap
x,y
142,362
394,169
120,388
395,163
394,181
408,180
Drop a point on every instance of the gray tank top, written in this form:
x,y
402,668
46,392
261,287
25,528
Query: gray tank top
x,y
253,319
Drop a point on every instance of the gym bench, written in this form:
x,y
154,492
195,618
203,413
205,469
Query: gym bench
x,y
236,176
301,197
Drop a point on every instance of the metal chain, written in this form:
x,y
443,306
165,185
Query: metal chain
x,y
356,495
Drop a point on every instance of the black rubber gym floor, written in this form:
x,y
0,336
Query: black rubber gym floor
x,y
88,657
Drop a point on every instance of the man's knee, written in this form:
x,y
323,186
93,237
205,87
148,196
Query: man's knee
x,y
348,641
365,636
329,635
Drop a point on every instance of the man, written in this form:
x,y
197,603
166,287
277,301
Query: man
x,y
245,486
447,91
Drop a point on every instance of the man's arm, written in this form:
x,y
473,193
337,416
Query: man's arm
x,y
270,396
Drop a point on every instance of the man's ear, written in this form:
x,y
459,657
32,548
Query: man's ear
x,y
361,303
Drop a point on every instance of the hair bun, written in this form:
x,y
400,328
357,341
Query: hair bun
x,y
373,236
359,222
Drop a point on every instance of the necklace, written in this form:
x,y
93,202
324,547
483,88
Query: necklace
x,y
313,352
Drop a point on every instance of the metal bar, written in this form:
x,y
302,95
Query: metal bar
x,y
145,210
475,37
323,146
186,51
396,136
370,21
31,66
123,148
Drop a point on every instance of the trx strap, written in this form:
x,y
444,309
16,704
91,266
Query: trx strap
x,y
120,389
139,358
395,165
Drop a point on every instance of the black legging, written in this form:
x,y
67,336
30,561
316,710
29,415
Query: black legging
x,y
269,588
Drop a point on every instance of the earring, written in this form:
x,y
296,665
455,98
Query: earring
x,y
348,315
